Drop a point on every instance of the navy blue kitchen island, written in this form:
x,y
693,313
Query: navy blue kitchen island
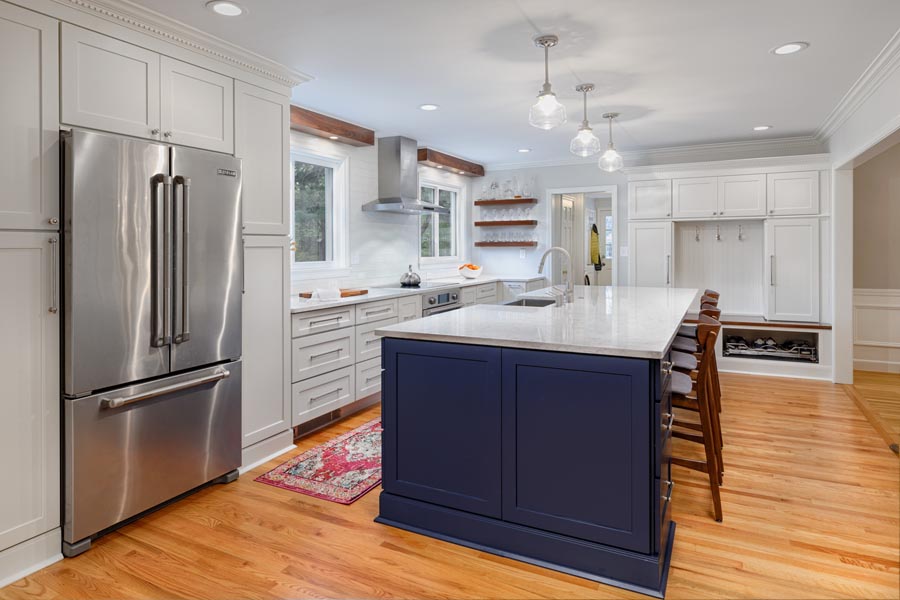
x,y
507,430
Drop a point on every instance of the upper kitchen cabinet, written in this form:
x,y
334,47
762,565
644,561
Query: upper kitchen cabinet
x,y
793,193
197,106
110,85
262,142
695,197
742,195
29,119
650,199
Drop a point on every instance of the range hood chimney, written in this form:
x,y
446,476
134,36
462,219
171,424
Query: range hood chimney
x,y
398,180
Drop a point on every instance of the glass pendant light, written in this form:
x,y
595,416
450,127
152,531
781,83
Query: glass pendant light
x,y
547,112
585,143
611,160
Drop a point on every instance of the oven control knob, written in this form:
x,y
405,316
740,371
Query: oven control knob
x,y
454,296
432,300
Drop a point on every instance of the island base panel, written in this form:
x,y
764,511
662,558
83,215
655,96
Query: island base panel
x,y
643,573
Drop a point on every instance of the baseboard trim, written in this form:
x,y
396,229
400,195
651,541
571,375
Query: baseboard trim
x,y
264,451
30,556
882,366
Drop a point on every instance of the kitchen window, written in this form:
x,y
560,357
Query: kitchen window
x,y
319,212
438,234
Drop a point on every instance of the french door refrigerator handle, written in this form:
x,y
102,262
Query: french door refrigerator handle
x,y
182,264
162,259
54,275
168,389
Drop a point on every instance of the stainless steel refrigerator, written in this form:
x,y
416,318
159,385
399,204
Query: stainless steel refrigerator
x,y
151,327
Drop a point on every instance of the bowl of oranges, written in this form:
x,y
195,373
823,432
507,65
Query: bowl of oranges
x,y
470,271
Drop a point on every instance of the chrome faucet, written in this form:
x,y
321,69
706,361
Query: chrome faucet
x,y
566,296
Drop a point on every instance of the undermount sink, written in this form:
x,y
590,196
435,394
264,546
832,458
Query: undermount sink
x,y
531,302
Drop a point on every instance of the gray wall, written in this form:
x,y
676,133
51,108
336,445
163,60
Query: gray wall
x,y
876,222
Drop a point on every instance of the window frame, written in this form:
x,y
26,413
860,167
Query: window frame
x,y
455,213
337,222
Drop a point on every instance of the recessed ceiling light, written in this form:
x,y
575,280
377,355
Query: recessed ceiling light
x,y
428,106
224,8
524,150
332,137
790,48
762,128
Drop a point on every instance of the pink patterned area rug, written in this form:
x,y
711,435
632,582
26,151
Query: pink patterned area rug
x,y
341,470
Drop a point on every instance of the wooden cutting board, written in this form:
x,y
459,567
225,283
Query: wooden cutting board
x,y
344,293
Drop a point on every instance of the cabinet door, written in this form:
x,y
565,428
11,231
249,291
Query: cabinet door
x,y
650,259
109,85
29,119
793,193
511,290
262,142
29,410
650,199
742,196
792,269
410,308
542,486
467,295
266,339
441,417
696,197
196,106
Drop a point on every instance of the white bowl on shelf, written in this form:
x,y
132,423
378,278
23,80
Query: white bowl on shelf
x,y
470,273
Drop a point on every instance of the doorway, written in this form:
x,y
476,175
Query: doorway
x,y
583,221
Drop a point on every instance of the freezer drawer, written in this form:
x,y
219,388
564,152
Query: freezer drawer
x,y
130,449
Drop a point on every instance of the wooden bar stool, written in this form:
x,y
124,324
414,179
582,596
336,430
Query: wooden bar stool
x,y
696,395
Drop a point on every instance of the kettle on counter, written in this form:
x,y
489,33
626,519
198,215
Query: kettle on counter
x,y
410,278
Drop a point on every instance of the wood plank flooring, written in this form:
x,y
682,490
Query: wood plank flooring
x,y
811,501
878,397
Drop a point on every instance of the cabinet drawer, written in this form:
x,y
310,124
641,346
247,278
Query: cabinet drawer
x,y
485,291
663,517
368,377
368,345
321,321
316,354
319,395
376,311
467,296
409,308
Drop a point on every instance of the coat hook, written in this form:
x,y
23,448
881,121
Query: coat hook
x,y
740,233
696,233
718,236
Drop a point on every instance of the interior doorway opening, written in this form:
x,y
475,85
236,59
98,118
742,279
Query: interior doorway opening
x,y
583,221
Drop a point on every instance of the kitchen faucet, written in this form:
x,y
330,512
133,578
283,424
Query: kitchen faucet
x,y
566,296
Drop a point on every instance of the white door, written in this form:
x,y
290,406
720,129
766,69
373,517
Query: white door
x,y
262,123
29,119
695,197
196,106
108,85
29,370
742,196
266,338
650,256
793,193
650,199
792,269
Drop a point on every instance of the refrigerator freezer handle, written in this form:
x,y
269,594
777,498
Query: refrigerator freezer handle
x,y
169,389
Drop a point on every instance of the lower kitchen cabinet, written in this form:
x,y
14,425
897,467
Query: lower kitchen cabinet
x,y
29,369
410,307
792,269
368,377
650,263
266,407
322,394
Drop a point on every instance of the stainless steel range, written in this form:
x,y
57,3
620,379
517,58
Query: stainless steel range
x,y
440,301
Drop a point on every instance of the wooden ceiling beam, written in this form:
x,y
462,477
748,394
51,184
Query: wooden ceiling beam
x,y
439,160
330,128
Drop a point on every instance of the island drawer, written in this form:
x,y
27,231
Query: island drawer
x,y
368,345
665,418
322,394
316,354
376,311
368,377
662,506
320,321
662,376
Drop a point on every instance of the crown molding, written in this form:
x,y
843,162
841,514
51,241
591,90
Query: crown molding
x,y
738,166
138,18
882,67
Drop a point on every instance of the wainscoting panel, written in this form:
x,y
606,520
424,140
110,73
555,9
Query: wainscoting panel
x,y
876,330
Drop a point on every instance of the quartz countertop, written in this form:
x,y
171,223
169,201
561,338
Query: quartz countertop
x,y
635,322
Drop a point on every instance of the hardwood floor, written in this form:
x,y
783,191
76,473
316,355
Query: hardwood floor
x,y
810,498
878,397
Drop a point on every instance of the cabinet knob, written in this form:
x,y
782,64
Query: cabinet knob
x,y
53,221
668,214
167,134
771,211
714,213
154,131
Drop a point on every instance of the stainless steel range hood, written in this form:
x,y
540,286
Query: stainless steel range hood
x,y
398,180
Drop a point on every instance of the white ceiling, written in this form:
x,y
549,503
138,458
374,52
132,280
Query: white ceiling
x,y
681,73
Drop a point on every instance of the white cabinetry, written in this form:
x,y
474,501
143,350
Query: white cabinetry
x,y
262,142
650,263
467,296
650,199
510,290
114,86
793,193
29,410
792,269
742,195
266,343
29,120
486,293
410,308
695,197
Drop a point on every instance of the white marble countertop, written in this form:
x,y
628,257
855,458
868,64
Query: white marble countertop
x,y
384,293
636,322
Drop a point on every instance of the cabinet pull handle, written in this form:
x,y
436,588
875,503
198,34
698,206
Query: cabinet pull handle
x,y
667,367
772,270
378,312
328,320
671,421
325,395
368,379
373,341
320,354
671,486
54,276
668,269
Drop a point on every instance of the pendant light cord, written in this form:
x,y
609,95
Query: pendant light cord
x,y
546,64
610,132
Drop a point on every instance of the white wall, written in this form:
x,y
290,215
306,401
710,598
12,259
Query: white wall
x,y
876,222
507,260
381,245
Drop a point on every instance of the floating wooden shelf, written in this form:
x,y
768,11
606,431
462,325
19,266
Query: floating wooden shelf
x,y
505,201
523,223
506,244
